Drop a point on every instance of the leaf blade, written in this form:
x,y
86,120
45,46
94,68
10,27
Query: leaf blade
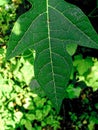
x,y
51,74
48,27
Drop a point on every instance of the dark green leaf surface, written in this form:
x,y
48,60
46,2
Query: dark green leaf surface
x,y
47,27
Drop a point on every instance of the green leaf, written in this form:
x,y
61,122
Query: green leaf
x,y
27,71
82,65
64,21
30,117
28,125
73,92
3,2
39,115
36,88
47,27
71,49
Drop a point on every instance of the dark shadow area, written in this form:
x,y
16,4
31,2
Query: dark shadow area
x,y
23,7
78,112
87,52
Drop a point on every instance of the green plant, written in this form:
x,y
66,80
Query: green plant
x,y
49,27
7,19
87,119
21,108
86,70
86,97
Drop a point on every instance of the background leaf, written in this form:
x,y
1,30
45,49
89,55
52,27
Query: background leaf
x,y
71,49
2,2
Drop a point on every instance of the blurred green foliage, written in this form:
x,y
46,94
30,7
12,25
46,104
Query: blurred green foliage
x,y
19,106
84,88
87,70
7,18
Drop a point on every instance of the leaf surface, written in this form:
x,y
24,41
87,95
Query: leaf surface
x,y
47,27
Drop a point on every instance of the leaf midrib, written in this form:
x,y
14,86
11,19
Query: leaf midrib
x,y
50,48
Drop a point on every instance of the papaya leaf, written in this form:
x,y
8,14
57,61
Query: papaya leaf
x,y
47,28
